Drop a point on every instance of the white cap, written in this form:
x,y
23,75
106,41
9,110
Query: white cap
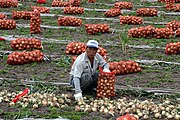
x,y
92,44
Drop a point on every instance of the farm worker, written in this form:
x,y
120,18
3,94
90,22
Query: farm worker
x,y
84,75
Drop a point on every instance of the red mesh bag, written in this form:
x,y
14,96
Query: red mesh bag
x,y
75,3
173,25
163,33
124,67
123,5
26,43
113,12
173,48
3,16
178,32
41,1
106,82
20,58
26,15
35,22
7,24
161,0
143,31
147,12
169,4
76,48
131,20
91,1
127,117
92,29
57,3
176,7
73,10
8,3
40,9
69,21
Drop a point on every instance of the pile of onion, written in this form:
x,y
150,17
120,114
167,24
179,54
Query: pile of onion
x,y
161,0
41,1
176,8
165,0
40,9
174,25
26,43
7,24
102,52
57,3
8,3
75,3
69,21
163,33
169,4
177,32
173,48
96,28
73,10
75,48
133,20
113,12
123,5
35,22
105,87
144,31
91,1
19,58
124,67
3,16
147,12
26,15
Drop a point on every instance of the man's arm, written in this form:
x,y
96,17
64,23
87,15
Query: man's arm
x,y
77,85
78,70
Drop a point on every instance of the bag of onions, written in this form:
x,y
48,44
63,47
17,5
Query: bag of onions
x,y
75,3
2,39
7,24
105,87
41,1
91,1
173,48
127,117
3,16
177,33
20,58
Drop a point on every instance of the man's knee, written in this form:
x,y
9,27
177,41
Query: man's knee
x,y
96,76
85,80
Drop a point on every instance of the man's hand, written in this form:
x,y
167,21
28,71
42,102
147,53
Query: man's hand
x,y
106,70
78,97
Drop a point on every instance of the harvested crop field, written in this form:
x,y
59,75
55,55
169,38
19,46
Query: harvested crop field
x,y
156,85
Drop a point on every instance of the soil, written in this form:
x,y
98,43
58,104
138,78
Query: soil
x,y
56,70
51,72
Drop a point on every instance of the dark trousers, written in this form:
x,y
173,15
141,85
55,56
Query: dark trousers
x,y
86,81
